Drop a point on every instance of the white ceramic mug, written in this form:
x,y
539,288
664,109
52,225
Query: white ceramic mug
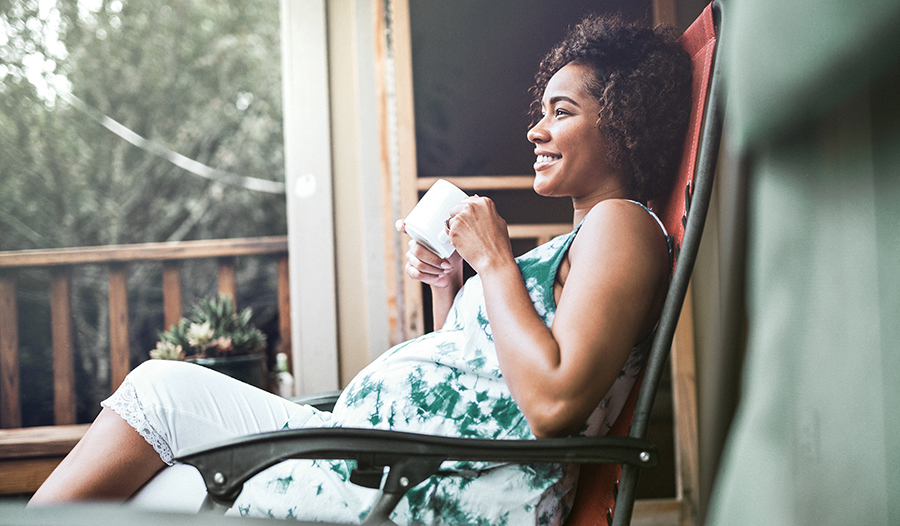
x,y
427,221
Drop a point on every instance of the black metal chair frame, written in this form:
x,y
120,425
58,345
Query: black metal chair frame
x,y
412,458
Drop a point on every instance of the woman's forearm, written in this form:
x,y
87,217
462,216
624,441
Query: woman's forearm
x,y
529,355
442,299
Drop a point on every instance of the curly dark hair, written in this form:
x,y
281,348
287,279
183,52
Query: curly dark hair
x,y
642,79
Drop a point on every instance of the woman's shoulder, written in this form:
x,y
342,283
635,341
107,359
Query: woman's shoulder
x,y
632,217
622,227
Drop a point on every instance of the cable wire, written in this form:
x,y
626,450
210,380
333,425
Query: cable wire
x,y
192,166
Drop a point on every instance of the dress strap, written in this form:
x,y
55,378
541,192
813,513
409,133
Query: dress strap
x,y
652,213
670,241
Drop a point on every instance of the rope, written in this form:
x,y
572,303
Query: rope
x,y
192,166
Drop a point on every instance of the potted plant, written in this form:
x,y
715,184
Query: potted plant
x,y
214,335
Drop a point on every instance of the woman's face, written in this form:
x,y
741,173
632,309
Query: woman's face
x,y
571,157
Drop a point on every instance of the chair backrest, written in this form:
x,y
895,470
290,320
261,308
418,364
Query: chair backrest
x,y
602,486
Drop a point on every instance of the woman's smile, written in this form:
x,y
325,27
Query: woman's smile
x,y
570,159
544,160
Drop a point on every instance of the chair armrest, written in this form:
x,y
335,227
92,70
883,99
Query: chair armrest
x,y
322,401
412,457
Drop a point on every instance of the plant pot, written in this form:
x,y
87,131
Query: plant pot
x,y
249,368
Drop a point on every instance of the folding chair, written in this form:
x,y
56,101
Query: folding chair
x,y
607,491
610,464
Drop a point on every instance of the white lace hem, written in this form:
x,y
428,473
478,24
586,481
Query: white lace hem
x,y
126,404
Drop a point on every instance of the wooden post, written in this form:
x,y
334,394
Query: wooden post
x,y
664,12
10,408
119,352
284,308
406,142
390,203
684,393
227,285
63,348
171,283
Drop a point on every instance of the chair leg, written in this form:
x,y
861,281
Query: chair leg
x,y
626,496
211,505
403,475
380,512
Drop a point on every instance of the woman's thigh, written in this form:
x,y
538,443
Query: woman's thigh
x,y
189,405
177,488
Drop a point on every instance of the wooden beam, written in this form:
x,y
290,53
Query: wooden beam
x,y
227,280
655,512
10,408
664,12
284,308
684,394
119,352
179,250
29,455
414,324
542,233
390,203
25,476
63,348
171,284
482,182
42,441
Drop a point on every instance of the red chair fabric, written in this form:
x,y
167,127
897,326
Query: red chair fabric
x,y
597,484
700,42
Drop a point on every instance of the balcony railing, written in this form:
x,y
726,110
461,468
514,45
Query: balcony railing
x,y
116,258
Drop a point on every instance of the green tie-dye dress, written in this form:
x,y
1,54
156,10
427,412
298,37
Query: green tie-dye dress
x,y
446,383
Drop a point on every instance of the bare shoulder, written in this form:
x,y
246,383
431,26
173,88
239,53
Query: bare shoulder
x,y
620,257
622,226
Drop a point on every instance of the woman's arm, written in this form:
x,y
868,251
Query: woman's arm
x,y
444,276
611,299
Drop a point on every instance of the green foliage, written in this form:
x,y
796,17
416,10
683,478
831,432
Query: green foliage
x,y
200,78
213,329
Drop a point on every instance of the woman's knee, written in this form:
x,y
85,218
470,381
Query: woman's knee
x,y
156,370
167,381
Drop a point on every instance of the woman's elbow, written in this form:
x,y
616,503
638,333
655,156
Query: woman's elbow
x,y
553,421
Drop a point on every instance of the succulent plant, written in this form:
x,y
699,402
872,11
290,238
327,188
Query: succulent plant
x,y
213,329
167,351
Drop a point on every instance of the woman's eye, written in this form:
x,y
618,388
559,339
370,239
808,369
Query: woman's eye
x,y
561,112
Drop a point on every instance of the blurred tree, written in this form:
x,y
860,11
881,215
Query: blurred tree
x,y
199,78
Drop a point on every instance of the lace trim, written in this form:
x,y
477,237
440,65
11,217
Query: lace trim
x,y
126,404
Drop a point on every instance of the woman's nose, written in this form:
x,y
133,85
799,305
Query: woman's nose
x,y
538,133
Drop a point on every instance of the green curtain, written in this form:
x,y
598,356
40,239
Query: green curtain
x,y
789,61
813,105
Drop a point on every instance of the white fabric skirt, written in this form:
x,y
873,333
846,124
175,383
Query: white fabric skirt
x,y
177,405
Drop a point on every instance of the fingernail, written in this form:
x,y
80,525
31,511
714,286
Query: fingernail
x,y
446,265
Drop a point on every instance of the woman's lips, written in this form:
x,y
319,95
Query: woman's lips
x,y
545,160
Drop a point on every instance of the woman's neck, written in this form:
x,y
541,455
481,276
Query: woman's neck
x,y
583,205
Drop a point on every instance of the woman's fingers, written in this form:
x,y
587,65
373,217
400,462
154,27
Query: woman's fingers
x,y
424,265
428,276
422,254
478,232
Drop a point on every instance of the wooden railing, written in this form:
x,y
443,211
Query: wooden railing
x,y
117,259
28,455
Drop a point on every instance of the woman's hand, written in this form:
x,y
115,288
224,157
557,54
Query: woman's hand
x,y
445,276
479,234
426,266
